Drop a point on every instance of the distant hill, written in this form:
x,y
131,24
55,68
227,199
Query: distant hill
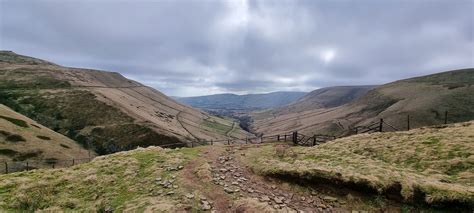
x,y
242,102
22,139
424,98
102,108
321,98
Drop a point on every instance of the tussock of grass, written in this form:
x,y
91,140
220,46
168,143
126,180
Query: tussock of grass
x,y
431,164
125,180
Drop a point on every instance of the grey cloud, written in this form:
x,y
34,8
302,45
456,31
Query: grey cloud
x,y
201,47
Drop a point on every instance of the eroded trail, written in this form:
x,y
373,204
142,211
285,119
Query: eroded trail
x,y
225,184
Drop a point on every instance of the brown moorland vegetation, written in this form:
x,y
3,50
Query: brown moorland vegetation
x,y
433,165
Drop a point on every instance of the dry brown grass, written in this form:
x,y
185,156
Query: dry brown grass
x,y
39,142
142,105
424,99
437,162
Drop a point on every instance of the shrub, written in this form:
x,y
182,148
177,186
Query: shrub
x,y
43,137
15,121
65,146
15,138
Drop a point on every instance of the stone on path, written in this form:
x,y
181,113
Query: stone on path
x,y
329,199
264,199
278,200
228,190
205,205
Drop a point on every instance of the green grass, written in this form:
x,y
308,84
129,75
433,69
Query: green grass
x,y
119,181
218,127
451,79
11,57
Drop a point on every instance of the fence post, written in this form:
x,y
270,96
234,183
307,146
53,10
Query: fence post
x,y
295,137
278,138
357,130
446,117
228,142
408,122
285,137
26,165
6,168
246,140
314,140
212,143
192,144
261,139
73,161
381,125
53,164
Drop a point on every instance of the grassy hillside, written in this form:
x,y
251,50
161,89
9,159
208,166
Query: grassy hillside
x,y
321,98
431,165
424,98
22,139
102,109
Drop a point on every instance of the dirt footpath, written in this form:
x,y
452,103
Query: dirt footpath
x,y
221,183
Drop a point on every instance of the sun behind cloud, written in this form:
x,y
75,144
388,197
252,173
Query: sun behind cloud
x,y
327,55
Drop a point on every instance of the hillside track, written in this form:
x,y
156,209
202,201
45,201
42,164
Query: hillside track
x,y
182,125
229,132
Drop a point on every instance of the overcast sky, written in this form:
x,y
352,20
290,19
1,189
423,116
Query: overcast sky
x,y
186,48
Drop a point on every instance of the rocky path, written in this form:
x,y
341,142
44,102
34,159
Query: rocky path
x,y
237,181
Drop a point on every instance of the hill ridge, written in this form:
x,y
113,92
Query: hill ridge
x,y
112,106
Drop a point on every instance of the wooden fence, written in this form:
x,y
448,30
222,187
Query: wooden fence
x,y
17,166
295,137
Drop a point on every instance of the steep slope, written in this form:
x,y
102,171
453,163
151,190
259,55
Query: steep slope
x,y
22,139
242,102
424,98
321,98
102,108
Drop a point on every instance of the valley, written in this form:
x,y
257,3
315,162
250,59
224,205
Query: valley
x,y
237,106
102,109
52,114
